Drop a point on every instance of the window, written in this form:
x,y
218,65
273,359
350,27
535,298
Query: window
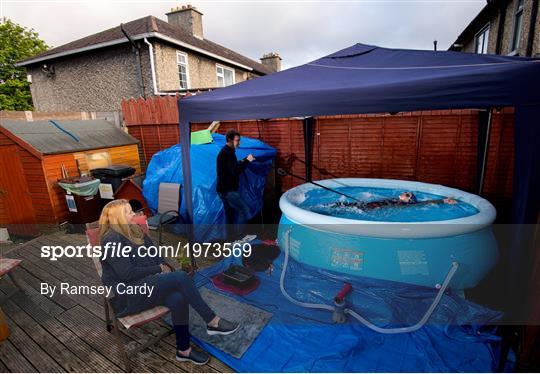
x,y
518,20
225,76
181,61
97,160
481,40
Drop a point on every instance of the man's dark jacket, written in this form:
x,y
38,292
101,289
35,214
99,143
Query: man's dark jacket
x,y
229,170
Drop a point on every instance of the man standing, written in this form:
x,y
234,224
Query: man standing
x,y
228,179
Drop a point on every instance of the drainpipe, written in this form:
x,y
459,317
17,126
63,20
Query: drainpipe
x,y
136,49
153,70
500,28
532,26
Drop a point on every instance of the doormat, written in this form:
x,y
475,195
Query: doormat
x,y
252,321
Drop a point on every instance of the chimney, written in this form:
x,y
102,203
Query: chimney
x,y
272,61
187,18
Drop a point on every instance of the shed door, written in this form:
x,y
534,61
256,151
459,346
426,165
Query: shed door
x,y
15,201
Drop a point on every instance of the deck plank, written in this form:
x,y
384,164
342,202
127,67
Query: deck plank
x,y
87,326
3,368
13,359
67,332
69,340
45,303
31,351
45,340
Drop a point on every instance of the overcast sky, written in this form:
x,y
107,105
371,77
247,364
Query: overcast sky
x,y
300,31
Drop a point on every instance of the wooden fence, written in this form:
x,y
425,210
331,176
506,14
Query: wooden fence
x,y
113,117
429,146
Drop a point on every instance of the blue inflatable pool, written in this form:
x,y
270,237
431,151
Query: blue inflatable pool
x,y
416,245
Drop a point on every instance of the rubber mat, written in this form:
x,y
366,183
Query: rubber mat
x,y
252,320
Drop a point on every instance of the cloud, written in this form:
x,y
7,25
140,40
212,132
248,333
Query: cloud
x,y
300,31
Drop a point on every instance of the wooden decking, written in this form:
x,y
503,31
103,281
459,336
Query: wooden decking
x,y
67,332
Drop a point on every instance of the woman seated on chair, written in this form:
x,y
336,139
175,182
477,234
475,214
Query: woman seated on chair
x,y
173,289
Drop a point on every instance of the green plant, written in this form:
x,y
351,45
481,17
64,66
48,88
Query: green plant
x,y
16,43
184,262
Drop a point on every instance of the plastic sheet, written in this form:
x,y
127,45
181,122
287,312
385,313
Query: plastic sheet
x,y
456,338
166,166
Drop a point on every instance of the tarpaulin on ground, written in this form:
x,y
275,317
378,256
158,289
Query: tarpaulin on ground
x,y
166,166
298,339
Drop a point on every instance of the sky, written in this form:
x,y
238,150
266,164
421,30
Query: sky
x,y
300,31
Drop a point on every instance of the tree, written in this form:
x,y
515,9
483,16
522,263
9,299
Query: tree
x,y
16,43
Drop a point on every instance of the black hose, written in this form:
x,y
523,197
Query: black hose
x,y
283,172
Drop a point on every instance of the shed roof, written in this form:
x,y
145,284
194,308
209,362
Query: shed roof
x,y
79,135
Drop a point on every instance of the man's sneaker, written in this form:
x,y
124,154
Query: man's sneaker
x,y
195,357
224,327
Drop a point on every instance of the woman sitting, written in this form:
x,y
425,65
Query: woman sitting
x,y
173,289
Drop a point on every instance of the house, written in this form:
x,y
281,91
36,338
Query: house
x,y
33,154
144,57
505,27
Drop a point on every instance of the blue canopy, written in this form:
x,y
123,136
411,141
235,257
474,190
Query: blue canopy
x,y
371,79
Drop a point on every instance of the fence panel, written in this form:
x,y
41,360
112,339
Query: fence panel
x,y
430,146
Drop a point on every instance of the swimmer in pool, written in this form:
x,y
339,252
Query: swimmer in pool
x,y
405,199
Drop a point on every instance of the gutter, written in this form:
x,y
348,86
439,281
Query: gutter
x,y
156,35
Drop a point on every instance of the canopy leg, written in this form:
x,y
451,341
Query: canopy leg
x,y
484,134
308,127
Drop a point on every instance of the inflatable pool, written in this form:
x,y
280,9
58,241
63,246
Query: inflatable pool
x,y
417,244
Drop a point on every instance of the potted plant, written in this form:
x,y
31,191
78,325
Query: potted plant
x,y
185,264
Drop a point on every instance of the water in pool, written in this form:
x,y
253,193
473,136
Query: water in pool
x,y
322,201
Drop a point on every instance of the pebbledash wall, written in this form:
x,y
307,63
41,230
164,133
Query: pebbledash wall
x,y
89,81
508,30
428,146
202,70
98,80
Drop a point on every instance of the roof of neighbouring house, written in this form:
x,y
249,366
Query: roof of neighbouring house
x,y
149,26
66,136
488,12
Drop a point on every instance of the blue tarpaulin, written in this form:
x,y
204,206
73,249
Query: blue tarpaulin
x,y
166,166
305,340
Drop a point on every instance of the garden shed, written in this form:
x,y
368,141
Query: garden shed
x,y
33,154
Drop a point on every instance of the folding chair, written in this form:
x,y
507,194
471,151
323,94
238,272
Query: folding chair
x,y
114,323
6,266
168,208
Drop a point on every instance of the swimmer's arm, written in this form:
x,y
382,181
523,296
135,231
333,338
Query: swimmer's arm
x,y
437,201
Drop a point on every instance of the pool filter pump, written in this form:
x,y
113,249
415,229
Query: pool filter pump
x,y
338,315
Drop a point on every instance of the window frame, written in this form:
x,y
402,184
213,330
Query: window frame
x,y
482,32
223,67
516,32
186,65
